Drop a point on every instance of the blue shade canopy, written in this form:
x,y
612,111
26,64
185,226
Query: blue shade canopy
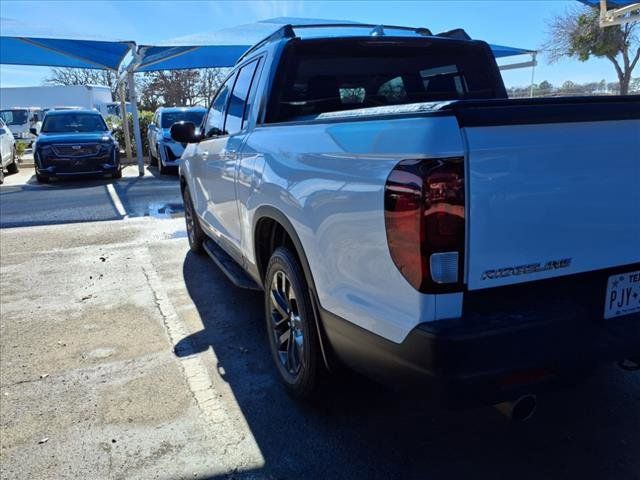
x,y
184,57
502,51
23,43
610,3
57,52
214,49
219,49
223,48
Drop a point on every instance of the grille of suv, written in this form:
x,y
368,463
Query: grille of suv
x,y
71,150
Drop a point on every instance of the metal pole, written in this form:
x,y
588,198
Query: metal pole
x,y
533,72
603,12
125,121
136,122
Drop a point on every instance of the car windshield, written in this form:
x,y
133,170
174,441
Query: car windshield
x,y
15,117
74,122
169,118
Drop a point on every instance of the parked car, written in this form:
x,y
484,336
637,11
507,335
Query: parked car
x,y
75,142
407,219
163,151
8,157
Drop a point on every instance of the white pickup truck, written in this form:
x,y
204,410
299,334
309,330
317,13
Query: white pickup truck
x,y
408,220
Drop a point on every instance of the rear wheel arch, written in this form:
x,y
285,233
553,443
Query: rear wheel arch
x,y
269,225
271,229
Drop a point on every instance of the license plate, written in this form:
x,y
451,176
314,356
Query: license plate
x,y
623,294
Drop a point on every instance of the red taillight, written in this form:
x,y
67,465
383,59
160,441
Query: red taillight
x,y
424,218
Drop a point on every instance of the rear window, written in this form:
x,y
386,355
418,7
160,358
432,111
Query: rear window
x,y
318,76
73,122
169,118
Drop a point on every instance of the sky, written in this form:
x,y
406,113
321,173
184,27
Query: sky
x,y
516,23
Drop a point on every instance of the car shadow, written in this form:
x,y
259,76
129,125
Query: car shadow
x,y
358,429
171,173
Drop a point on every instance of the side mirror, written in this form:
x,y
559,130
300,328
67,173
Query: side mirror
x,y
185,132
33,131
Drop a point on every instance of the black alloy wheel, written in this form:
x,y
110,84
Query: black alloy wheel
x,y
291,324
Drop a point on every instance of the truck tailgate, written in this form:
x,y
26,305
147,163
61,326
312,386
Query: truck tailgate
x,y
551,192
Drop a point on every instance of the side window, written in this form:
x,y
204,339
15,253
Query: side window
x,y
215,118
238,100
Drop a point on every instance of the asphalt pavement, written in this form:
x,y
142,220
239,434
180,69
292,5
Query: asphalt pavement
x,y
25,202
123,355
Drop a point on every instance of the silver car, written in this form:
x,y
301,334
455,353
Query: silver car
x,y
8,157
163,151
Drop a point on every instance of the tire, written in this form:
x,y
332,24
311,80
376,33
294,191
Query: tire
x,y
152,159
13,167
291,326
161,168
194,231
42,178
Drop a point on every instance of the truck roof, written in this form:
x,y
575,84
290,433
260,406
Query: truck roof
x,y
349,30
21,108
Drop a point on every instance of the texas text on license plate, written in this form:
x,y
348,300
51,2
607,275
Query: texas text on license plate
x,y
623,294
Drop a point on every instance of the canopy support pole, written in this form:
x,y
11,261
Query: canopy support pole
x,y
125,121
136,121
533,72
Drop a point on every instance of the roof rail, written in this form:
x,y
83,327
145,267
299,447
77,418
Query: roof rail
x,y
288,31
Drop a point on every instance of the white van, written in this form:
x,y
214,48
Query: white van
x,y
20,120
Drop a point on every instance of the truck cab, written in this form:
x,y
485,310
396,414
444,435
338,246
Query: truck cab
x,y
21,120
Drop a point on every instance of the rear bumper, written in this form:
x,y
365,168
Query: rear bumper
x,y
491,357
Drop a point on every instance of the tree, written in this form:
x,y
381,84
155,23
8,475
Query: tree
x,y
82,76
544,85
179,87
577,34
210,81
154,89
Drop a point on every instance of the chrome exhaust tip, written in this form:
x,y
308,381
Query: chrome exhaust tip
x,y
519,410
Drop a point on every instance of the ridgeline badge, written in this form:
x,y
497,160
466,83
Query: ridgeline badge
x,y
526,269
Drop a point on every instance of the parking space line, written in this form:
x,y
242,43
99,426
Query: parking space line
x,y
232,430
116,200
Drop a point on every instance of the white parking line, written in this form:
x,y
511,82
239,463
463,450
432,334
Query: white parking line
x,y
230,427
116,200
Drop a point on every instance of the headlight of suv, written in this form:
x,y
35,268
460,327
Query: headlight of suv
x,y
106,148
